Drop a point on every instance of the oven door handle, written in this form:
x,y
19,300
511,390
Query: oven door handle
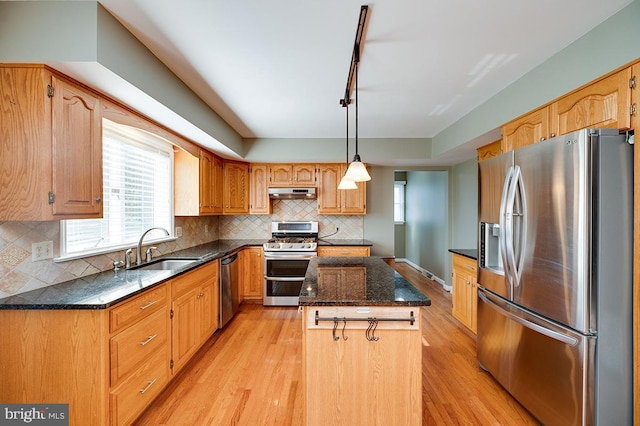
x,y
285,257
283,278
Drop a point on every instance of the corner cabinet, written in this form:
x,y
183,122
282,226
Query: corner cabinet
x,y
465,291
236,188
331,200
52,147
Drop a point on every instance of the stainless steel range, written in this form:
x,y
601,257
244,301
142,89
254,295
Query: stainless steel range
x,y
286,257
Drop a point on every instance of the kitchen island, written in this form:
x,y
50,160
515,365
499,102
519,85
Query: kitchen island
x,y
362,343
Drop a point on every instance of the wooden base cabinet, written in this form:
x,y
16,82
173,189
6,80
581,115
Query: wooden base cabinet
x,y
252,273
465,291
194,311
354,381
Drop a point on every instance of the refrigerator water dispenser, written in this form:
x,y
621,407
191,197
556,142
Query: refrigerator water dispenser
x,y
490,257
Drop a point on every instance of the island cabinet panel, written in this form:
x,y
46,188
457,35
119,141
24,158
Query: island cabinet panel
x,y
604,103
350,380
51,146
57,356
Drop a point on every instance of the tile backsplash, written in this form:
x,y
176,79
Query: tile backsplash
x,y
18,273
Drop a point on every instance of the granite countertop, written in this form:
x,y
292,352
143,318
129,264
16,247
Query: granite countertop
x,y
357,281
343,242
105,289
470,253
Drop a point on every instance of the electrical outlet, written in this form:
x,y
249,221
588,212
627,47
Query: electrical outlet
x,y
42,251
178,231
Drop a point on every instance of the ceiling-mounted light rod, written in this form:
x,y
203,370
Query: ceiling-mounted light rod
x,y
355,56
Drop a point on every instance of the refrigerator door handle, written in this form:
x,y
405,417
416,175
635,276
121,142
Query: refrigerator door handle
x,y
535,327
503,246
521,218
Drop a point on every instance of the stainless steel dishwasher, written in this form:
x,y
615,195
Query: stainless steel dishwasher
x,y
229,291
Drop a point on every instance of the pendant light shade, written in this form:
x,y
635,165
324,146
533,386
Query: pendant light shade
x,y
357,171
347,183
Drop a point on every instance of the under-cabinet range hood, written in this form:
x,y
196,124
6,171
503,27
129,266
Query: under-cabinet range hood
x,y
292,193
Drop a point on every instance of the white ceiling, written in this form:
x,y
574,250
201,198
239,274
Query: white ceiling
x,y
277,69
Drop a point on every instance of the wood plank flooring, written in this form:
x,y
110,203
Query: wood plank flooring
x,y
250,373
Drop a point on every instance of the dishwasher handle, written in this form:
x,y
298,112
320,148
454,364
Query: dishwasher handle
x,y
229,259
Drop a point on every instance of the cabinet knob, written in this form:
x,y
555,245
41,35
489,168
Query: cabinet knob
x,y
99,199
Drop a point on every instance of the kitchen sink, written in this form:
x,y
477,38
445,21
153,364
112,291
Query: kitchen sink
x,y
166,264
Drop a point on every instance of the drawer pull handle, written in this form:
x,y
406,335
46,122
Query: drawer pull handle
x,y
148,386
473,268
153,302
148,340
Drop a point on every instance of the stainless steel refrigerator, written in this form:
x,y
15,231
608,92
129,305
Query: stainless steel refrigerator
x,y
555,277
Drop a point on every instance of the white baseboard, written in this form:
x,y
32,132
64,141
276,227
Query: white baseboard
x,y
427,274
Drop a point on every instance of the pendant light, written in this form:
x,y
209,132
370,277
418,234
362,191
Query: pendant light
x,y
356,172
347,183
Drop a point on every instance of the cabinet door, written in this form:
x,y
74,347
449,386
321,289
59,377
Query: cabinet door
x,y
218,185
253,275
280,175
236,188
185,333
260,203
635,97
76,151
304,175
526,130
329,197
465,291
25,162
602,104
491,150
208,309
353,200
206,182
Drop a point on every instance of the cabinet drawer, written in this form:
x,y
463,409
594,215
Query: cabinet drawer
x,y
464,264
133,310
403,313
132,346
194,278
134,394
343,251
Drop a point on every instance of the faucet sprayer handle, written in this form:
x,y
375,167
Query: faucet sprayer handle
x,y
149,257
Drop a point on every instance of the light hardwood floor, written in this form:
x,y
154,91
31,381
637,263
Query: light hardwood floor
x,y
250,373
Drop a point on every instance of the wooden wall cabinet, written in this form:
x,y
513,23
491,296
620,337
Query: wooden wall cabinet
x,y
292,175
195,311
465,291
490,150
526,130
236,188
356,381
331,200
198,183
253,273
259,183
604,103
52,147
357,251
634,83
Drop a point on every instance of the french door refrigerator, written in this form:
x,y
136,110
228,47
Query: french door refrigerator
x,y
555,277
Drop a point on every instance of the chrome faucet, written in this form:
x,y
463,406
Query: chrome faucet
x,y
139,248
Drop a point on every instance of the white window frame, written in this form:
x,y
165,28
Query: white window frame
x,y
399,202
141,139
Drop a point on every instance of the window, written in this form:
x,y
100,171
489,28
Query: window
x,y
398,201
138,193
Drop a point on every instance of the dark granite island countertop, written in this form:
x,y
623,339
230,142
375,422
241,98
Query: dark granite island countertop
x,y
357,281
